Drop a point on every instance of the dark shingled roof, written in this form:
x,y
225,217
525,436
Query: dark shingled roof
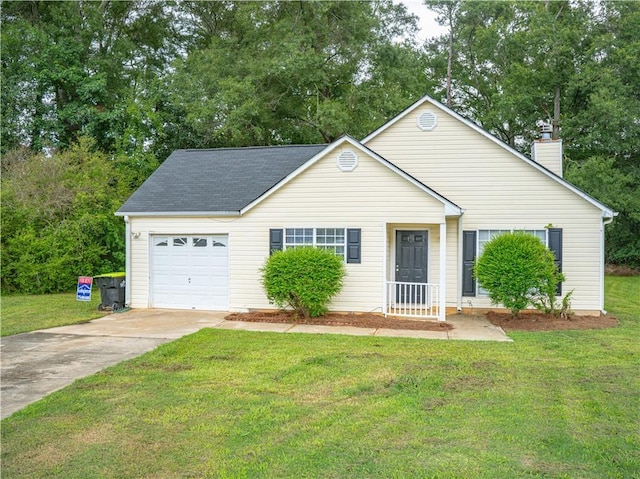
x,y
216,180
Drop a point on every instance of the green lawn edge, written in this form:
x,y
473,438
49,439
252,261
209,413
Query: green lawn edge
x,y
26,313
235,404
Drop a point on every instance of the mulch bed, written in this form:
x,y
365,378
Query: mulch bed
x,y
359,320
547,322
525,322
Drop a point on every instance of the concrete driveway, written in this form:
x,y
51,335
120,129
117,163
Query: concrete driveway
x,y
38,363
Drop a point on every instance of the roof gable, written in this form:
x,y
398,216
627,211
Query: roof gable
x,y
606,211
451,209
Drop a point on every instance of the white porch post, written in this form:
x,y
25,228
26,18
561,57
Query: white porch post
x,y
458,266
384,269
442,313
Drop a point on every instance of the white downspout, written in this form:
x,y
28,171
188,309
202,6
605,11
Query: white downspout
x,y
459,266
127,252
605,222
442,316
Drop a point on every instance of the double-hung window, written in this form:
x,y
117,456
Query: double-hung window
x,y
346,243
297,237
474,241
331,239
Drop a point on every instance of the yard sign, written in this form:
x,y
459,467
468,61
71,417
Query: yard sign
x,y
84,288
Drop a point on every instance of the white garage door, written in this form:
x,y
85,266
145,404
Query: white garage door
x,y
190,272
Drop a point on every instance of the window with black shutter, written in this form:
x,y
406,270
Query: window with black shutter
x,y
468,259
276,240
343,242
555,245
353,246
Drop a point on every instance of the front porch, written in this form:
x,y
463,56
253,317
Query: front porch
x,y
415,271
414,300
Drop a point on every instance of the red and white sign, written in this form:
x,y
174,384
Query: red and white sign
x,y
84,288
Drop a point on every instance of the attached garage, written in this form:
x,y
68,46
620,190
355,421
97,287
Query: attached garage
x,y
189,272
180,221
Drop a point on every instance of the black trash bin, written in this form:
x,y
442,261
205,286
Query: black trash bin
x,y
112,287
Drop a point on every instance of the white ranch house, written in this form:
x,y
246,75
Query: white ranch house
x,y
409,208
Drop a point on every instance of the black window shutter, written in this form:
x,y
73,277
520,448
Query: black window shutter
x,y
468,259
555,245
276,240
353,245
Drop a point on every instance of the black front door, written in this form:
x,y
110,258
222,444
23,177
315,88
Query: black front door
x,y
411,265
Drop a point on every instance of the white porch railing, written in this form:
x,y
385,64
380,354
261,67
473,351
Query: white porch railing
x,y
420,300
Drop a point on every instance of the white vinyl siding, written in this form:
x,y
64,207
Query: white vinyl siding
x,y
498,190
548,154
369,198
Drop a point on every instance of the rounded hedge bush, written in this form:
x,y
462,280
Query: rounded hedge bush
x,y
514,268
304,279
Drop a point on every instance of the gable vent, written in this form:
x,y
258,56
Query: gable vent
x,y
347,160
427,121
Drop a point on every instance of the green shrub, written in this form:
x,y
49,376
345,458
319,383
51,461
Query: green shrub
x,y
545,299
304,279
516,268
58,219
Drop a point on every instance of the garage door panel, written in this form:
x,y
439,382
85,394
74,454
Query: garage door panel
x,y
189,272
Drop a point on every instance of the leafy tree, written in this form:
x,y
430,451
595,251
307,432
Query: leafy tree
x,y
304,279
604,132
296,72
607,92
447,15
621,191
58,218
507,65
145,77
80,68
514,268
510,63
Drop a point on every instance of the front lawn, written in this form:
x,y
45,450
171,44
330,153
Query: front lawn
x,y
237,404
24,313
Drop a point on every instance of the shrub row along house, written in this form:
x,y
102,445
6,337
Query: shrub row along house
x,y
409,208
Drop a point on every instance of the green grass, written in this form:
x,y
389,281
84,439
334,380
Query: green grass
x,y
21,314
237,404
622,295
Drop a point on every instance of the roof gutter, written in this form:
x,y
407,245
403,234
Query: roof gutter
x,y
178,213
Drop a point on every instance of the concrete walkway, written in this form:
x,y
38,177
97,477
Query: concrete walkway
x,y
38,363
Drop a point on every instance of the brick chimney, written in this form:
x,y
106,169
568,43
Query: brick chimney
x,y
546,151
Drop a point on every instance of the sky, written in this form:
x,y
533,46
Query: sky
x,y
429,28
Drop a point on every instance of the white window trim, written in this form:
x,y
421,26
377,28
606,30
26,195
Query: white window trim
x,y
315,243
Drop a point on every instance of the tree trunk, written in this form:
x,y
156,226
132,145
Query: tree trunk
x,y
450,57
556,114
